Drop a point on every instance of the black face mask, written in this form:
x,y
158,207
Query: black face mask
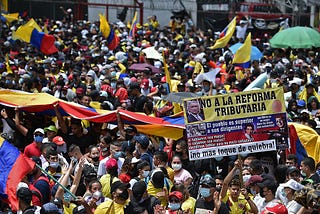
x,y
95,159
128,137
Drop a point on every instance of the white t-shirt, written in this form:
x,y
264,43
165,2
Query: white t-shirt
x,y
102,166
241,31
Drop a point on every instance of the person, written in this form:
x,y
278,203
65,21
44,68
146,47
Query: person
x,y
290,187
308,168
231,190
160,159
241,30
110,177
248,132
119,203
141,198
142,145
96,197
143,170
181,176
24,196
292,160
33,149
194,112
209,200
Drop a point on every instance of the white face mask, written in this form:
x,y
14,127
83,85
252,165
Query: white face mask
x,y
176,167
246,178
145,173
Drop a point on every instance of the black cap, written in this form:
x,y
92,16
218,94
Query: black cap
x,y
292,169
131,128
208,181
24,194
138,189
134,85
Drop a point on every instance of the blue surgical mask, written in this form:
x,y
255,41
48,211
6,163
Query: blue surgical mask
x,y
174,206
113,85
38,139
218,158
54,165
205,192
117,155
206,88
145,174
253,192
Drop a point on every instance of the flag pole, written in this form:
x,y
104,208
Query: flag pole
x,y
56,181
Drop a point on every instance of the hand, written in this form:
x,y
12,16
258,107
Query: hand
x,y
4,113
217,201
238,164
158,209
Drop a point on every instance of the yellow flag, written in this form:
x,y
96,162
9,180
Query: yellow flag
x,y
242,56
4,5
8,65
24,31
225,35
104,26
10,17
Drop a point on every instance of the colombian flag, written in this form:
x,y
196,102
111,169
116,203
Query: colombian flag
x,y
14,166
108,33
225,35
133,28
10,17
242,56
32,33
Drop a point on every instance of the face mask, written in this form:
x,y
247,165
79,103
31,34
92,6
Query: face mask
x,y
174,206
128,137
8,82
246,178
205,192
176,167
113,84
145,174
117,155
218,188
206,88
95,159
218,158
67,197
74,160
253,192
303,173
97,195
54,165
199,93
38,139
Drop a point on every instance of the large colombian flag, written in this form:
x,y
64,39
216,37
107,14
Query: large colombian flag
x,y
32,33
13,167
108,33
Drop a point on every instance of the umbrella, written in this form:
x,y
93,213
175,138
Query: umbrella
x,y
142,66
296,37
255,52
178,97
209,76
152,53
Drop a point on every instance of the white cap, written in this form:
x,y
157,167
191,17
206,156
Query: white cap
x,y
193,46
39,130
305,111
22,184
69,10
295,80
243,22
292,184
135,160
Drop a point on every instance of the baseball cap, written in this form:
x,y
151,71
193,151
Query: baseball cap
x,y
58,140
111,163
296,81
208,181
24,193
301,103
292,184
144,83
138,189
39,130
50,208
254,179
176,194
52,128
131,128
292,169
305,111
142,139
275,208
266,183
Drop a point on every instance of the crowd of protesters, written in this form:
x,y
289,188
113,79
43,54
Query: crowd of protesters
x,y
119,170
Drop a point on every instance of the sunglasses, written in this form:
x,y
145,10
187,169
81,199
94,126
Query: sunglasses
x,y
38,135
174,200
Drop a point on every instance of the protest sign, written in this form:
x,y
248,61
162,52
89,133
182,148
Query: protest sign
x,y
239,123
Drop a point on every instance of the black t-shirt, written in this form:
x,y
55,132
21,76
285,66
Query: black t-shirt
x,y
83,141
203,206
316,178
